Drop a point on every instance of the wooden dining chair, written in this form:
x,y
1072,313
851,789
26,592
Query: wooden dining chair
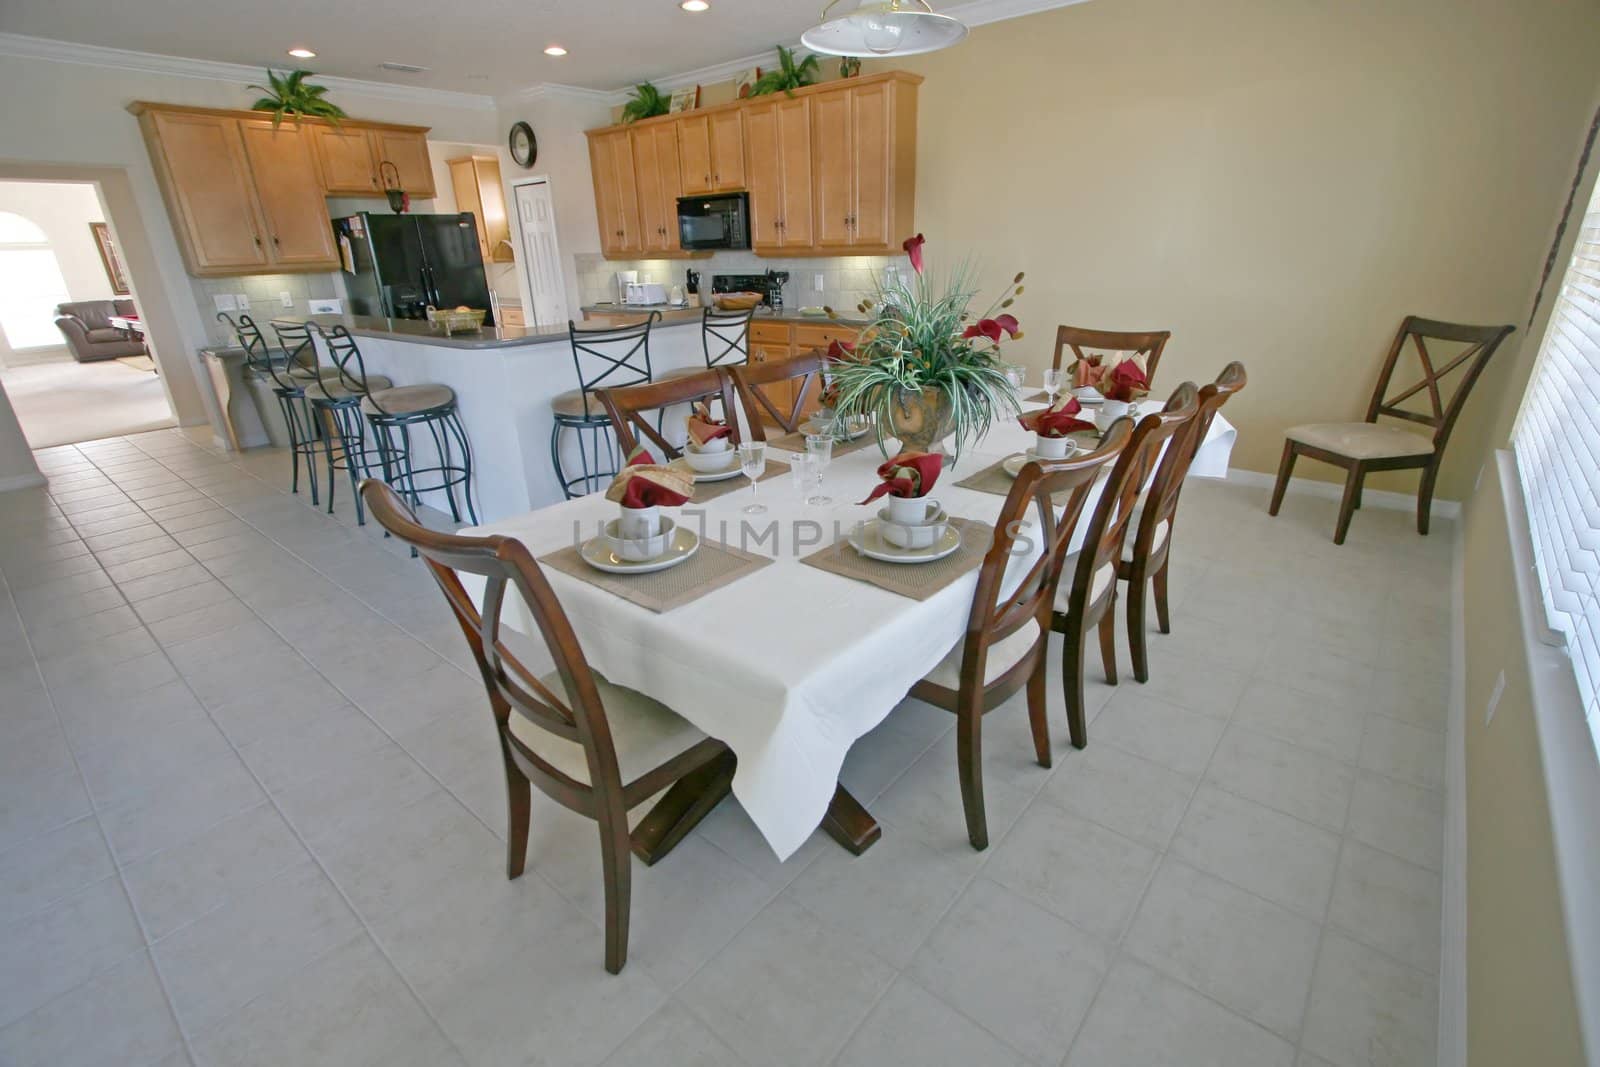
x,y
1084,342
636,410
1146,555
1008,633
1363,447
596,748
753,381
1088,601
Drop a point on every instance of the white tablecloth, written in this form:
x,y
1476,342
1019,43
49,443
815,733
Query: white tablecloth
x,y
790,665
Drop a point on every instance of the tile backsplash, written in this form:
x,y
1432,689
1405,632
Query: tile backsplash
x,y
846,280
264,294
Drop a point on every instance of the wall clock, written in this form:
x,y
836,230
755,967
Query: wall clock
x,y
524,145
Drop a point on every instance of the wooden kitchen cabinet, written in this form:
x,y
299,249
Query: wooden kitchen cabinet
x,y
778,165
407,149
863,160
616,193
772,342
205,179
711,151
290,194
349,157
476,183
655,154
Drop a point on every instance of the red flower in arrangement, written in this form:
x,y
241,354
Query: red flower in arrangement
x,y
913,250
993,328
1126,382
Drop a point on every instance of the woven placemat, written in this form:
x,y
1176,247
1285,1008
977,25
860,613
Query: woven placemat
x,y
992,479
796,442
709,569
705,491
919,581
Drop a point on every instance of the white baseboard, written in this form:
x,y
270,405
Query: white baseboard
x,y
1452,1040
1372,498
21,481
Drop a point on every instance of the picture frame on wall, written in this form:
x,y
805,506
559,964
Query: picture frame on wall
x,y
745,81
109,259
684,99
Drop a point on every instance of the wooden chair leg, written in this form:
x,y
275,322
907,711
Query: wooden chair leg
x,y
1136,643
1108,642
616,861
1038,719
1347,505
1159,582
519,809
1285,468
1430,474
969,765
1072,647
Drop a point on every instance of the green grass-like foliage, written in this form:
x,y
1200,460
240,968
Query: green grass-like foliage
x,y
914,342
789,76
646,103
289,95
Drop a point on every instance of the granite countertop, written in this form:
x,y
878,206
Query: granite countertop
x,y
672,314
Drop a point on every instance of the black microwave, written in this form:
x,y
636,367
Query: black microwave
x,y
708,222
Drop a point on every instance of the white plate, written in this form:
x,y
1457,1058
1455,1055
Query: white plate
x,y
1088,395
685,543
810,426
868,540
1013,465
681,465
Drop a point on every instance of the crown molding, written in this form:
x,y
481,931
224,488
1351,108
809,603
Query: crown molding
x,y
20,46
558,91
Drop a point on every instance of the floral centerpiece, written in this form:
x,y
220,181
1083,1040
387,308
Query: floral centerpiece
x,y
926,368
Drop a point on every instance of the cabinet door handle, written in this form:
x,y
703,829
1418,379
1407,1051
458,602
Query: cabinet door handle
x,y
275,240
708,179
257,239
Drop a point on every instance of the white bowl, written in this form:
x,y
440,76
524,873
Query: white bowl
x,y
918,534
709,460
638,550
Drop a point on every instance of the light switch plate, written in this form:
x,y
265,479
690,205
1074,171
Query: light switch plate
x,y
1494,698
817,282
285,298
243,300
225,302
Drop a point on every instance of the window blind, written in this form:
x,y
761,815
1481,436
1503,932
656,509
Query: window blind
x,y
1557,445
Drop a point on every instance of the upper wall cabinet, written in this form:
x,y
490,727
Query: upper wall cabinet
x,y
249,198
831,169
476,180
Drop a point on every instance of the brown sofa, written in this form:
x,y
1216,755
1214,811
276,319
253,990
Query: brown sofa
x,y
86,324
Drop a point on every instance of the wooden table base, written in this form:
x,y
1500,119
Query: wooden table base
x,y
850,824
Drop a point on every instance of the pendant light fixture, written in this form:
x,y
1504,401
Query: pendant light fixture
x,y
883,28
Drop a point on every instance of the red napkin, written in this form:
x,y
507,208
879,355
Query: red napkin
x,y
910,474
703,429
1088,371
1056,421
643,484
1126,382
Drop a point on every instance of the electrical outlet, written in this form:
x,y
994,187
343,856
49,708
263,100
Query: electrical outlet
x,y
1494,697
817,282
243,300
225,302
285,298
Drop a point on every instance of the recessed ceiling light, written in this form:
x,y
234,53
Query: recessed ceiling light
x,y
695,5
302,53
555,50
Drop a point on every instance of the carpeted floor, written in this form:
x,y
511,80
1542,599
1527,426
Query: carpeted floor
x,y
65,402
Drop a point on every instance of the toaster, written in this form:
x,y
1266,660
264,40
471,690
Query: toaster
x,y
646,293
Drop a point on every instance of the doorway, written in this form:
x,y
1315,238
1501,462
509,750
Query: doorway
x,y
541,255
73,356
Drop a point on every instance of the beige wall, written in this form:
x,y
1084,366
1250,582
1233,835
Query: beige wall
x,y
1277,181
1520,1006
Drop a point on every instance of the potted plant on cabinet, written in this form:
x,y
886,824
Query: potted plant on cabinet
x,y
924,369
646,103
290,95
789,76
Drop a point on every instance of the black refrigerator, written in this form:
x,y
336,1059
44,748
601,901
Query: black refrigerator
x,y
396,265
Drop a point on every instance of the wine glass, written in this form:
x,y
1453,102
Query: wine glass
x,y
753,463
819,449
1052,384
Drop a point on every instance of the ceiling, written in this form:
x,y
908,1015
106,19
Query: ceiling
x,y
489,47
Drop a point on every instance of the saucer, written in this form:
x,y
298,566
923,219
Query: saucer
x,y
867,539
683,543
810,426
1088,394
681,465
1013,465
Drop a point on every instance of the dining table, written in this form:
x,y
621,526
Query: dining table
x,y
790,664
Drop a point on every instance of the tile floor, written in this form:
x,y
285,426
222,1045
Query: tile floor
x,y
251,813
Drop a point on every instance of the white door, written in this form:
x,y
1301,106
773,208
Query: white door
x,y
541,258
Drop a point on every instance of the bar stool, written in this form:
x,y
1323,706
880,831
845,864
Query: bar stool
x,y
393,412
289,388
604,359
336,398
725,339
